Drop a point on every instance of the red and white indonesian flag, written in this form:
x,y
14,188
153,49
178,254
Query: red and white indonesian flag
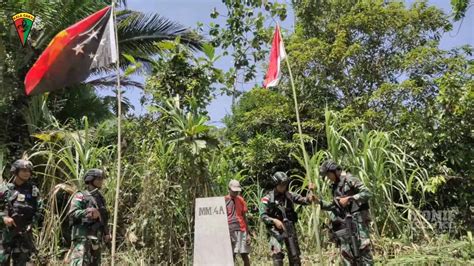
x,y
277,54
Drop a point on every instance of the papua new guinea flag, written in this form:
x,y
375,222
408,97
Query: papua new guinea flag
x,y
73,53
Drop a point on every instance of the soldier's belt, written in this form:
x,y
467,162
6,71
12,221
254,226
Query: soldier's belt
x,y
94,242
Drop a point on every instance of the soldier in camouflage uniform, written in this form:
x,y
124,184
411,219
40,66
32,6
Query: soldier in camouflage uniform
x,y
271,212
351,198
19,210
89,218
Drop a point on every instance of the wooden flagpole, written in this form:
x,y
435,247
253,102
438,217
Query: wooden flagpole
x,y
119,138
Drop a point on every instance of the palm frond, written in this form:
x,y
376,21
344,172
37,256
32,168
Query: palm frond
x,y
111,81
138,33
146,66
65,14
122,3
111,101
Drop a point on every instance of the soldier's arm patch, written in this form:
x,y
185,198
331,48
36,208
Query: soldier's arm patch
x,y
21,197
35,192
79,197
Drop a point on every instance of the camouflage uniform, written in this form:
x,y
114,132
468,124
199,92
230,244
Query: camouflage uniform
x,y
87,234
22,204
349,185
269,208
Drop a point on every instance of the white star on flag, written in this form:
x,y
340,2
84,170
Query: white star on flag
x,y
75,56
93,34
78,49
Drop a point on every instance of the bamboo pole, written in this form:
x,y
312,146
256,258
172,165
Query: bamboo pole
x,y
305,156
119,142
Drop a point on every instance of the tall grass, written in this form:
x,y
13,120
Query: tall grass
x,y
396,181
164,173
64,157
172,164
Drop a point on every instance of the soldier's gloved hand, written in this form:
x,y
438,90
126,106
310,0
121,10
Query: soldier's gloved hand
x,y
92,213
344,201
8,221
278,224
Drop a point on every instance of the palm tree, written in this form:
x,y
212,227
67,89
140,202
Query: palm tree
x,y
137,33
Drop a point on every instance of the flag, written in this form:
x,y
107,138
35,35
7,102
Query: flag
x,y
277,54
73,53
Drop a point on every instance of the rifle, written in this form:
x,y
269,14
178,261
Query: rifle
x,y
289,234
94,224
101,224
23,226
349,231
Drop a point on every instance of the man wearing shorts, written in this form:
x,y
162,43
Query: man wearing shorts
x,y
238,228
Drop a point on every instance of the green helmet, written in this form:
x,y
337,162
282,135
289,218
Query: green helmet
x,y
21,164
328,166
92,174
280,178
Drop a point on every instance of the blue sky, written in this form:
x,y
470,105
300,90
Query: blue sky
x,y
190,12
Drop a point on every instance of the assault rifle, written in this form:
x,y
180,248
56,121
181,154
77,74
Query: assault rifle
x,y
349,230
289,234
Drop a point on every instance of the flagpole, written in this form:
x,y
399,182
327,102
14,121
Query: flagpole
x,y
305,154
119,142
300,131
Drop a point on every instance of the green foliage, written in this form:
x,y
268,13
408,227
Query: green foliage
x,y
381,65
75,103
260,111
62,155
376,94
178,73
396,181
459,8
261,130
348,49
137,34
168,157
245,34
